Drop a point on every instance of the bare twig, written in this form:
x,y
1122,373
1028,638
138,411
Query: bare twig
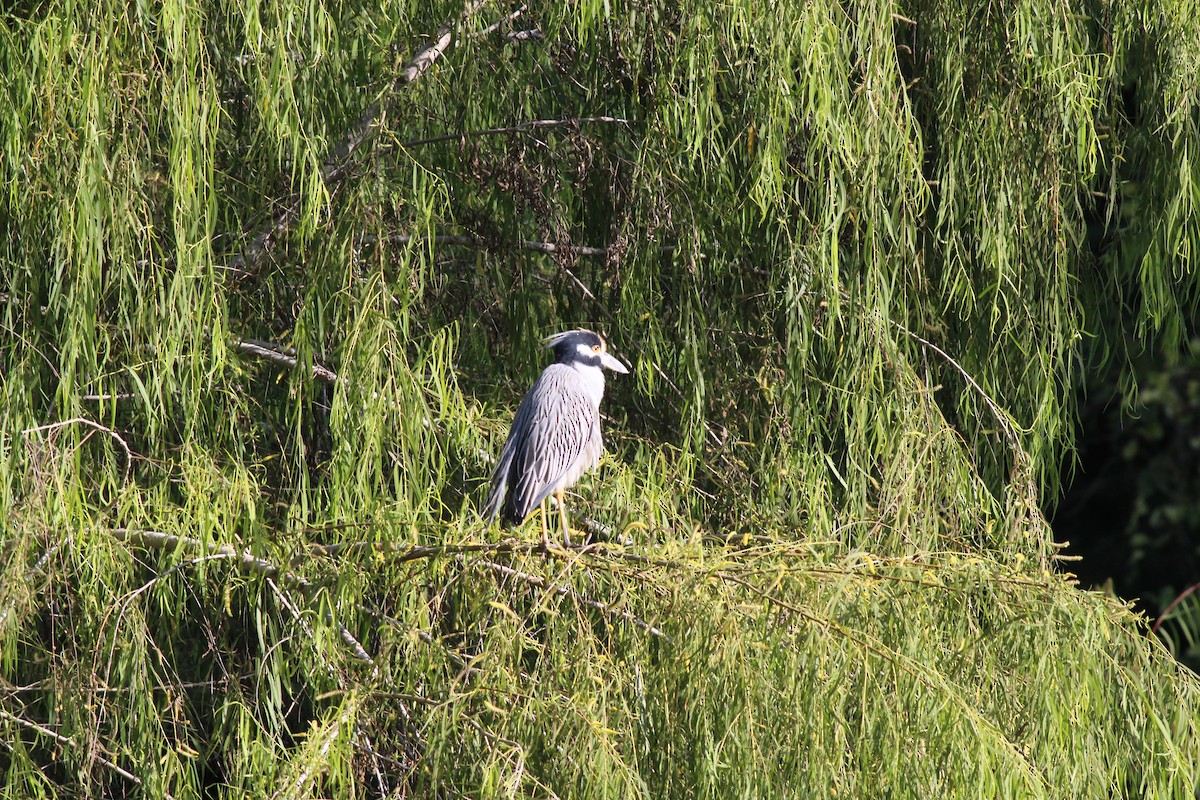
x,y
348,639
531,35
1006,424
35,569
1195,587
500,23
95,425
337,162
547,248
431,703
285,357
247,560
68,742
131,596
402,552
298,786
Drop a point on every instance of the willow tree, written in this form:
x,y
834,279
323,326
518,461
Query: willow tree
x,y
274,279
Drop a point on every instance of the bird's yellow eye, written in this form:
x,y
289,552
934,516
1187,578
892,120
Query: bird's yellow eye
x,y
596,347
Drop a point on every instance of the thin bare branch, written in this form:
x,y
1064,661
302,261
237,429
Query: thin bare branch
x,y
285,357
547,248
68,742
337,162
500,23
95,425
246,559
35,569
347,638
1006,424
1195,587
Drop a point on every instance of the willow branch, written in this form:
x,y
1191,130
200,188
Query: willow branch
x,y
337,162
563,591
500,23
95,425
547,248
246,559
269,351
1005,423
68,742
1178,599
524,127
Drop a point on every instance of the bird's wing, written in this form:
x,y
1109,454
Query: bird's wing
x,y
500,475
560,421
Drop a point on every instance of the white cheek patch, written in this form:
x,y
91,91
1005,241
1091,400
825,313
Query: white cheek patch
x,y
583,350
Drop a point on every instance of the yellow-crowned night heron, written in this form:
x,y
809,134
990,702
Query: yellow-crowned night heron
x,y
555,435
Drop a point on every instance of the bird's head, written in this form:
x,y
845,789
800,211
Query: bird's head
x,y
582,347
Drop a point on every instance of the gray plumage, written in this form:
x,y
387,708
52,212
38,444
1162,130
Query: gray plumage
x,y
555,434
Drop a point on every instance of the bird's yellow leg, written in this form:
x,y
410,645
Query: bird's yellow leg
x,y
562,515
545,528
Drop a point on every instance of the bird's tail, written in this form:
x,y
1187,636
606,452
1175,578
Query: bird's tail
x,y
496,495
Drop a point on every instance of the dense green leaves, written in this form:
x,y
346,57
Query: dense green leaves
x,y
276,275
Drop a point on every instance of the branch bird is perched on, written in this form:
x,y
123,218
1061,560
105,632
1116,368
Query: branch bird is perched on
x,y
555,435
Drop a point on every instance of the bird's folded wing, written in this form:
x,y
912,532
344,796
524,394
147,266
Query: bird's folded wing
x,y
562,425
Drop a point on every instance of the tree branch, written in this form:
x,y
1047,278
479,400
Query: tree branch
x,y
547,248
97,426
247,560
500,23
268,351
67,742
563,591
337,162
1006,424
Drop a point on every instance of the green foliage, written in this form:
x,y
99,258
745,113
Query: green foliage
x,y
275,279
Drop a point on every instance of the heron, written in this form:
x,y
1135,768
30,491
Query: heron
x,y
555,435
